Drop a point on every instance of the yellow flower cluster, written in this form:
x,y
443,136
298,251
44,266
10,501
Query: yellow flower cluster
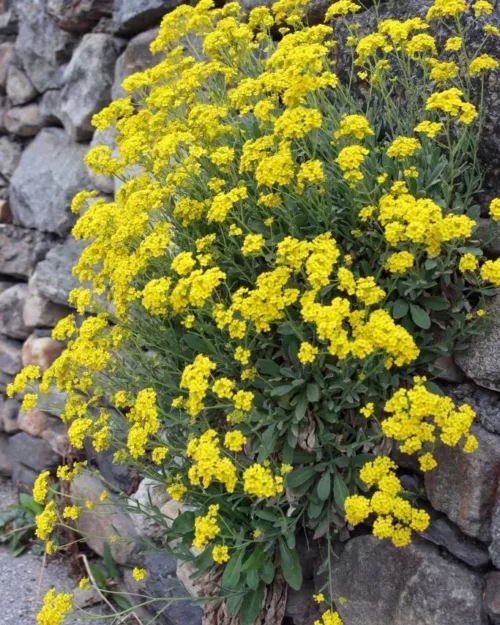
x,y
395,517
259,481
209,465
55,607
206,528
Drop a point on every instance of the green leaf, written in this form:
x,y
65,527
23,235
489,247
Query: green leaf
x,y
252,579
299,476
279,391
435,303
420,317
324,486
255,559
29,503
184,523
340,491
313,392
269,367
109,563
301,408
290,565
204,560
267,571
233,604
252,604
232,572
99,578
197,344
400,309
122,602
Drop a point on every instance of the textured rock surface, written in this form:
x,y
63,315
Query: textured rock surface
x,y
103,521
136,58
132,16
9,413
10,153
21,250
484,402
445,534
20,89
11,312
23,121
481,362
489,235
387,585
162,582
152,496
492,597
50,172
39,311
43,48
54,278
35,453
10,355
83,96
41,351
470,500
7,56
119,476
34,422
79,15
6,460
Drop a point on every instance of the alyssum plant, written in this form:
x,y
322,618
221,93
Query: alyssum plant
x,y
296,253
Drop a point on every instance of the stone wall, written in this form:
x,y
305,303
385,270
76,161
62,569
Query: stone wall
x,y
60,62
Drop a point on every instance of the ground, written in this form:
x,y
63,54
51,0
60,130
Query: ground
x,y
24,580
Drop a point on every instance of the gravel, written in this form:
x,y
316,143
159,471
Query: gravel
x,y
24,580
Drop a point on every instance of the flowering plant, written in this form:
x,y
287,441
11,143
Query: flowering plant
x,y
280,277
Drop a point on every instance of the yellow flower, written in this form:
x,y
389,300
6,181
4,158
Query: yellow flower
x,y
139,574
468,262
319,598
159,454
71,512
495,209
220,554
307,353
453,43
40,487
54,608
252,244
402,147
431,129
483,63
234,441
84,583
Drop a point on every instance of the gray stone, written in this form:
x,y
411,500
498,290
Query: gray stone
x,y
39,311
464,486
492,597
444,533
7,55
23,476
132,16
300,608
20,89
43,48
21,250
34,421
83,95
6,460
150,496
11,312
10,355
56,436
50,173
9,413
41,351
50,108
162,582
104,520
136,58
8,21
484,402
448,370
121,477
79,16
52,402
10,153
23,121
414,585
489,235
103,183
34,453
54,279
481,361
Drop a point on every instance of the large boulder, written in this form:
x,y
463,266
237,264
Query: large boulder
x,y
6,460
8,415
83,95
54,278
21,249
120,477
20,89
7,56
150,496
41,351
136,58
104,520
481,362
79,16
34,452
492,597
43,48
414,585
39,311
464,486
489,236
51,171
11,312
132,16
23,121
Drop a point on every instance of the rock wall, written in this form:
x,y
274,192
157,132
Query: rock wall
x,y
61,61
